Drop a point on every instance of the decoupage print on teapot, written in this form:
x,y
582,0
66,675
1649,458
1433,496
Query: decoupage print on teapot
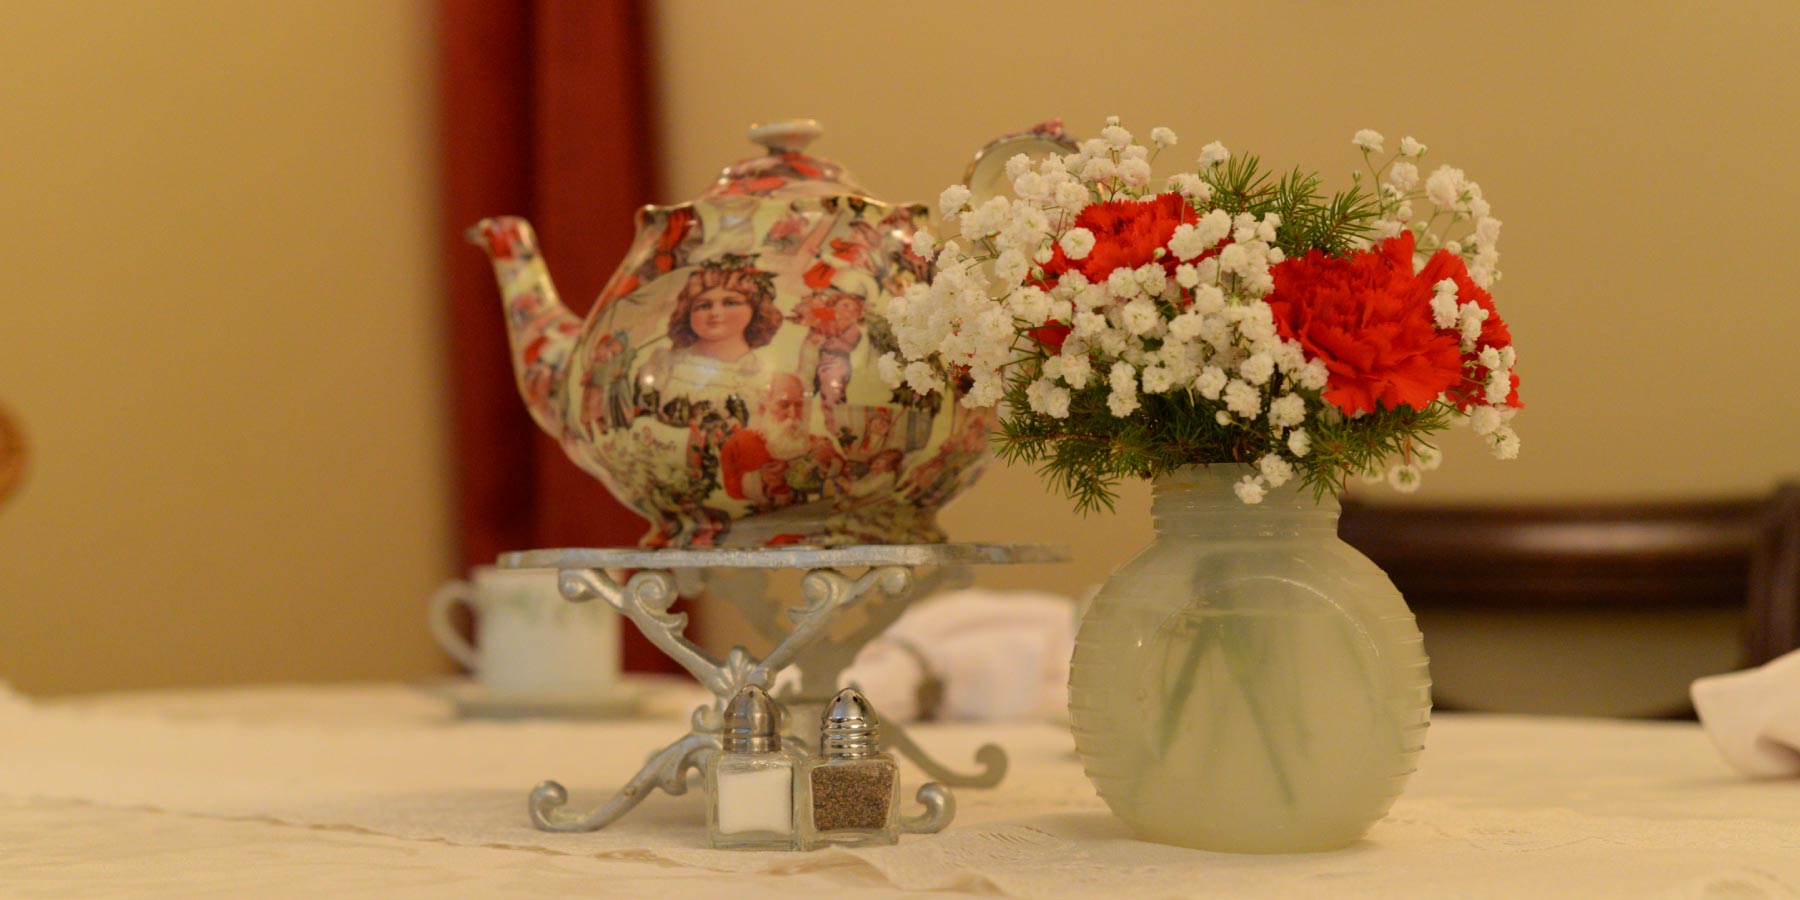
x,y
724,386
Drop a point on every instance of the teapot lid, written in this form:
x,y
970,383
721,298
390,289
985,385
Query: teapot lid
x,y
786,170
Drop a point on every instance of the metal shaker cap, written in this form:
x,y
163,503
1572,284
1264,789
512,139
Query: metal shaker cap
x,y
849,728
751,724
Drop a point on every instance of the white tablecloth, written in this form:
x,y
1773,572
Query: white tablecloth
x,y
381,791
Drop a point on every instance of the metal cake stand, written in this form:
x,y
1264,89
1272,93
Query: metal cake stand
x,y
644,584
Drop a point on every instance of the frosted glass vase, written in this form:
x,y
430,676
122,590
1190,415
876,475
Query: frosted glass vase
x,y
1249,682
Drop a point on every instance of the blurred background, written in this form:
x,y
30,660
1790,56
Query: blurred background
x,y
226,340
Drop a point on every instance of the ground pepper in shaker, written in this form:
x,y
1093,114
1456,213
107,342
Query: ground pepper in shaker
x,y
849,795
750,781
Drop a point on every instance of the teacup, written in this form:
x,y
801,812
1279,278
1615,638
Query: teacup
x,y
529,641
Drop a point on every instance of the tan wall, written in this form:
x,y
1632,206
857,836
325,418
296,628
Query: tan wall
x,y
220,332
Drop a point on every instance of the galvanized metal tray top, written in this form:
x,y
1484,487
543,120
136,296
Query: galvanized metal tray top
x,y
795,557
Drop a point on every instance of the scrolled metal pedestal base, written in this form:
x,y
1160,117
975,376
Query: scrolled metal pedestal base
x,y
647,595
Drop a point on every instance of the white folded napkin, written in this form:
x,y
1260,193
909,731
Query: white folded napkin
x,y
992,656
1753,716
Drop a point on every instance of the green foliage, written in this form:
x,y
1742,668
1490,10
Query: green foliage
x,y
1086,454
1307,223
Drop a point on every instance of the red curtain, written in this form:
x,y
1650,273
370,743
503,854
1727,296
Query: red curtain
x,y
546,111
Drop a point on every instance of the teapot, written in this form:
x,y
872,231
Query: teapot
x,y
724,385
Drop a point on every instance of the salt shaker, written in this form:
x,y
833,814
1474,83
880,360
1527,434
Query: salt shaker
x,y
849,795
750,782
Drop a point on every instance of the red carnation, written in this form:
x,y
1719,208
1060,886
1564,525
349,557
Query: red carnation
x,y
1494,333
1051,335
1127,234
1368,319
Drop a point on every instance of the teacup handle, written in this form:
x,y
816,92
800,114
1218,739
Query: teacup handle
x,y
438,617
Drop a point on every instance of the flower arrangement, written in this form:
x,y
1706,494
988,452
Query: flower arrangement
x,y
1231,317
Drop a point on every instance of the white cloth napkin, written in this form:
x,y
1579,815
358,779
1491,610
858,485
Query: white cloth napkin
x,y
1753,716
996,655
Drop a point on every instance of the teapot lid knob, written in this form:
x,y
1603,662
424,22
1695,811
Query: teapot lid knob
x,y
786,136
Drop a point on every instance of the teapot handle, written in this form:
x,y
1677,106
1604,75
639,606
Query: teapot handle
x,y
986,175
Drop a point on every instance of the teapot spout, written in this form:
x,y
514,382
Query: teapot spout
x,y
541,330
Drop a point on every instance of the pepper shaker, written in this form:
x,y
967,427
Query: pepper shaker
x,y
849,795
750,782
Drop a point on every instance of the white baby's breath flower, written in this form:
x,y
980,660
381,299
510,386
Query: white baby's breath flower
x,y
1314,377
1369,140
1485,420
1411,148
1213,227
1243,400
1018,165
1098,169
1077,243
1265,229
1162,137
1153,278
1123,401
1071,196
1287,410
1258,368
1187,276
1505,443
1157,380
923,243
1234,259
1499,386
1191,186
1031,186
1275,470
1076,370
952,200
920,377
1045,397
1186,326
1115,136
1208,299
1213,154
1427,458
1443,304
1469,318
1404,477
1211,382
1140,316
1487,231
1250,489
1299,443
1089,325
1445,185
1404,176
890,370
1011,267
1135,172
1185,243
1123,284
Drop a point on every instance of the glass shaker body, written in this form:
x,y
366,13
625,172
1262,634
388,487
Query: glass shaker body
x,y
750,801
849,802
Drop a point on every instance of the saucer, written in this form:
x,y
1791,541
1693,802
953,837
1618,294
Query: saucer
x,y
472,701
